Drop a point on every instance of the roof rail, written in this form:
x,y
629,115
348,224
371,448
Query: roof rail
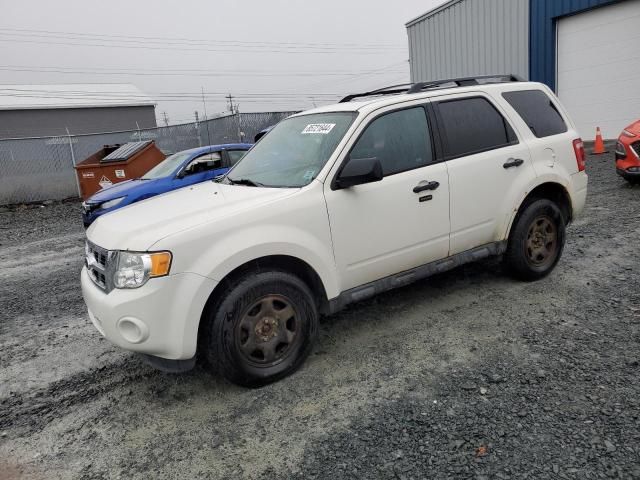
x,y
421,86
464,82
392,90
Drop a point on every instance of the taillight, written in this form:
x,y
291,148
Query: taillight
x,y
578,147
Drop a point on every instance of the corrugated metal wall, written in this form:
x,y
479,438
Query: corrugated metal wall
x,y
470,37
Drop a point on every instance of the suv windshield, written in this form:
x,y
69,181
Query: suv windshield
x,y
293,153
166,167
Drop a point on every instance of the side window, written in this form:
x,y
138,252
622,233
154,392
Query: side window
x,y
400,140
235,155
473,125
538,112
204,163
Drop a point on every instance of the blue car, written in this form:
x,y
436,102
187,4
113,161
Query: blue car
x,y
179,170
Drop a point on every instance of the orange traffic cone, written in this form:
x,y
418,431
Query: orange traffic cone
x,y
598,146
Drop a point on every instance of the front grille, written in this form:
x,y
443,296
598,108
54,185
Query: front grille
x,y
636,148
98,262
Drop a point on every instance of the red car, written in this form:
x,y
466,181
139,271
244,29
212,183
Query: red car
x,y
628,153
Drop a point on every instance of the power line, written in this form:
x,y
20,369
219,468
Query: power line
x,y
266,100
80,93
11,91
377,71
182,40
185,73
150,97
168,47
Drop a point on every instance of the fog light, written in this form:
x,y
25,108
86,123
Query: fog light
x,y
633,169
133,330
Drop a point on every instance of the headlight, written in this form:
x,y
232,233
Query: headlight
x,y
111,203
135,269
627,133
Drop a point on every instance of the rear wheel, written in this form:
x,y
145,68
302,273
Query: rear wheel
x,y
536,241
262,329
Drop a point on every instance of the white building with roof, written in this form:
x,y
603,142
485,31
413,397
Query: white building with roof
x,y
49,110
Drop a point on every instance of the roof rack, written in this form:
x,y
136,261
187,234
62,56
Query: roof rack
x,y
392,90
463,82
422,86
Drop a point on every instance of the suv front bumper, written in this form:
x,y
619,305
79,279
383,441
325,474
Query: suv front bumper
x,y
160,319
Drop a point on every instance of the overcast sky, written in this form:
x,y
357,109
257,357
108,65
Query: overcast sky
x,y
270,55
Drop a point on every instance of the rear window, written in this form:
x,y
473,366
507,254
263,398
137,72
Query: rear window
x,y
473,125
538,111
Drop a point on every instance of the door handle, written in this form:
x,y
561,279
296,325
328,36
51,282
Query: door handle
x,y
513,162
424,185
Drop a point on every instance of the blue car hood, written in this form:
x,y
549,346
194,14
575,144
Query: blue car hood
x,y
123,189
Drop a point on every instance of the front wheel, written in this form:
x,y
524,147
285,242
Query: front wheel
x,y
536,241
262,329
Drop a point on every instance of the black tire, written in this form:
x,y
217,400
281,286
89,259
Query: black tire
x,y
536,241
249,321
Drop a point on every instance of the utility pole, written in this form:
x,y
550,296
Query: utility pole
x,y
198,128
73,161
204,105
166,119
232,108
235,110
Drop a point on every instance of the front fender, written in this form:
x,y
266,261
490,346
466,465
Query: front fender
x,y
243,245
294,225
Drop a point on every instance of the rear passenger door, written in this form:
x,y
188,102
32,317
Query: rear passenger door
x,y
489,168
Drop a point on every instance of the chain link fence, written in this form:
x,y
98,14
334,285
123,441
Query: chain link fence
x,y
36,169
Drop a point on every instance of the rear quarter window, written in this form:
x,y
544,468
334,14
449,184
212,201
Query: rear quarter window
x,y
538,112
473,125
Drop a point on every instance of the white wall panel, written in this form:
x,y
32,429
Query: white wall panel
x,y
598,73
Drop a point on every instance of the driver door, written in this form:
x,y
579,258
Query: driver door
x,y
396,224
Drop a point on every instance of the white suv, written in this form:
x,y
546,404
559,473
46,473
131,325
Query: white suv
x,y
332,206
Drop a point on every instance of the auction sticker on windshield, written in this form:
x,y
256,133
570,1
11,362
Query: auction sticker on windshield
x,y
323,128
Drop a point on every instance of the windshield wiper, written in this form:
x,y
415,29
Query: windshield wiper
x,y
244,181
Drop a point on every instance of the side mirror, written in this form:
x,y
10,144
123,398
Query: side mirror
x,y
358,171
181,174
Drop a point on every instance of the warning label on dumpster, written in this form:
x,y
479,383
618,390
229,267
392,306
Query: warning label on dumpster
x,y
105,182
120,174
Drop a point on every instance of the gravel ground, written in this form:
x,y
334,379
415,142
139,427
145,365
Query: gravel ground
x,y
466,375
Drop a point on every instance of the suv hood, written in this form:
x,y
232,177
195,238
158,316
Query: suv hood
x,y
138,226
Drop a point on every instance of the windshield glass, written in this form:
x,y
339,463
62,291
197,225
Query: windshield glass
x,y
166,167
293,153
